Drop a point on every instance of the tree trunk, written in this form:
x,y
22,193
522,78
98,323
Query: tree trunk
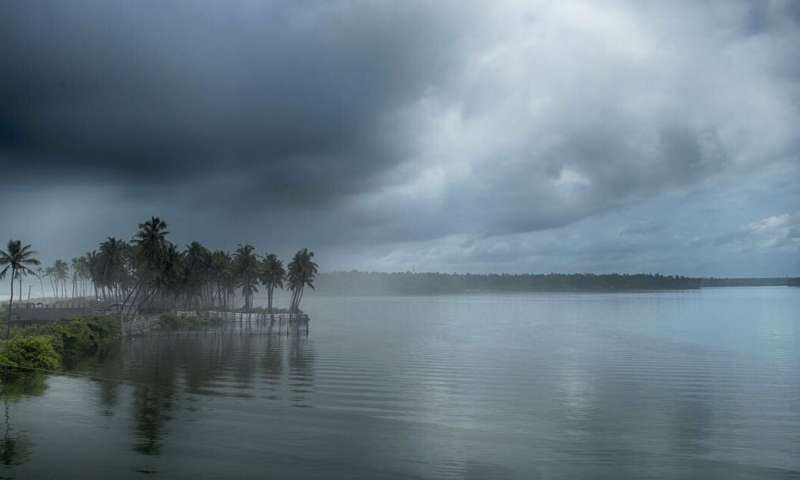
x,y
10,305
299,298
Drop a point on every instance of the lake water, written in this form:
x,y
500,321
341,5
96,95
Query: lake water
x,y
698,384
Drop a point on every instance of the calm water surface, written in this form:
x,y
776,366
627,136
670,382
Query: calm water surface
x,y
700,384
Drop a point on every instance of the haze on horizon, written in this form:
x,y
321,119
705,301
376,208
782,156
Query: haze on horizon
x,y
503,136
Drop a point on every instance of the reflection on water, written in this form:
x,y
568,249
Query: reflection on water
x,y
15,446
662,385
163,370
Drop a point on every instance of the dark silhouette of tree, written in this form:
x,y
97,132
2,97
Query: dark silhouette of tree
x,y
272,275
17,259
61,274
152,259
302,271
374,283
40,274
197,275
223,276
246,268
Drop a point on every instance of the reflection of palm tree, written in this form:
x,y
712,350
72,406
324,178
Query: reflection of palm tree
x,y
154,391
19,259
16,448
273,359
147,403
301,370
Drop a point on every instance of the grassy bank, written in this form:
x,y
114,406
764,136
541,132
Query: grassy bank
x,y
51,346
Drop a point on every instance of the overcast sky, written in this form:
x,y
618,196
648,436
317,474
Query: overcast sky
x,y
454,136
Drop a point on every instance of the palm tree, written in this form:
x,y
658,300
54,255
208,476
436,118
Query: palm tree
x,y
197,274
151,241
151,249
18,259
40,274
61,273
246,268
302,271
92,260
19,280
112,257
272,275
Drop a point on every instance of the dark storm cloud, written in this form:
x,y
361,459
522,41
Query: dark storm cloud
x,y
299,95
463,135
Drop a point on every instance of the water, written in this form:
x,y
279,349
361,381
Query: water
x,y
699,384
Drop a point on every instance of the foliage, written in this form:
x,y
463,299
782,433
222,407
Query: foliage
x,y
30,353
64,341
81,336
84,336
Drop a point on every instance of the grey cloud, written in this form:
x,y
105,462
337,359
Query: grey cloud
x,y
297,95
381,131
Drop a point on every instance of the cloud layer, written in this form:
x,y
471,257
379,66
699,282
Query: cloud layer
x,y
459,135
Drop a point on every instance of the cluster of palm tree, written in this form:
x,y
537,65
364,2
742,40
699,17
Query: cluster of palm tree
x,y
150,271
58,274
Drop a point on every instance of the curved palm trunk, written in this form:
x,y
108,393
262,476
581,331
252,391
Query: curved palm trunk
x,y
297,295
299,298
10,305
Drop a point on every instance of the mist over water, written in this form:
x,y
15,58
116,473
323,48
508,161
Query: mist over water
x,y
689,384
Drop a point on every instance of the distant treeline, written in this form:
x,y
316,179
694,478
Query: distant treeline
x,y
375,283
751,282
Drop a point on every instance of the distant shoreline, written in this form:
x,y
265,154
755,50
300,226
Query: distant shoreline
x,y
379,283
432,283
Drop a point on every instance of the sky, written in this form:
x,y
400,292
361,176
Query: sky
x,y
455,136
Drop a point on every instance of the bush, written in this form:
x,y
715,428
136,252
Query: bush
x,y
47,346
77,337
31,353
